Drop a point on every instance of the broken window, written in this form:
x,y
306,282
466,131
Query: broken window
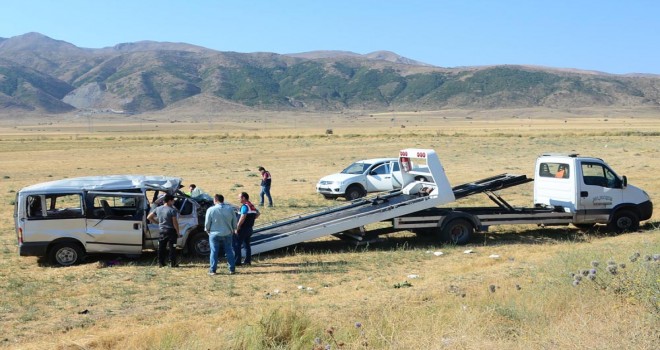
x,y
184,206
50,206
122,207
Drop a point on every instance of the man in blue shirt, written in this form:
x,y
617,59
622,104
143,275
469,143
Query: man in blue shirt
x,y
220,224
244,229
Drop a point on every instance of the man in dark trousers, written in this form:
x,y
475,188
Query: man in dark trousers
x,y
166,216
244,229
220,224
265,186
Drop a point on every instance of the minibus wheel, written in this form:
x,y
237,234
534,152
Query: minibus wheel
x,y
66,254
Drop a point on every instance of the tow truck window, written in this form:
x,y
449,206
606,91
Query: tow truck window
x,y
556,170
55,206
595,174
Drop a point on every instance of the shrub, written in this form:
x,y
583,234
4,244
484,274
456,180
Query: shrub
x,y
638,282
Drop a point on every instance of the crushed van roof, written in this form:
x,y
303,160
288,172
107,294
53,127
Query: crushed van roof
x,y
107,183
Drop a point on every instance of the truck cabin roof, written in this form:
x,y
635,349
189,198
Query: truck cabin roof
x,y
568,155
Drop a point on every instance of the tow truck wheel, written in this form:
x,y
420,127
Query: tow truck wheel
x,y
199,245
624,221
65,254
457,231
354,192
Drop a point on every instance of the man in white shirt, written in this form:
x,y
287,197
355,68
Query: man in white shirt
x,y
220,224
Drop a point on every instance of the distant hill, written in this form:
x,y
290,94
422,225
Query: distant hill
x,y
378,55
41,74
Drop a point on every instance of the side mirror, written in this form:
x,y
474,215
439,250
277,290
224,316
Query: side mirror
x,y
625,181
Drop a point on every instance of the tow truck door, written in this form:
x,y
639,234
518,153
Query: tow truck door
x,y
115,222
600,189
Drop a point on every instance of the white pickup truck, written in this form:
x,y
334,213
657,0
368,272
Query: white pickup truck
x,y
366,176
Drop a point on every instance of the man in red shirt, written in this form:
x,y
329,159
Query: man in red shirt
x,y
265,186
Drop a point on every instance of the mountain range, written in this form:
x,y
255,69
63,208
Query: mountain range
x,y
39,74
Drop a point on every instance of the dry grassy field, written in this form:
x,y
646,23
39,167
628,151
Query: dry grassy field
x,y
394,294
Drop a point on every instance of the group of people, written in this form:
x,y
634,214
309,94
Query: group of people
x,y
225,228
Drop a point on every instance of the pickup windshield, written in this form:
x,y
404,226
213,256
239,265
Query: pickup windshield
x,y
356,168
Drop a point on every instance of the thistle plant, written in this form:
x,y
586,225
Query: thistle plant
x,y
330,341
638,282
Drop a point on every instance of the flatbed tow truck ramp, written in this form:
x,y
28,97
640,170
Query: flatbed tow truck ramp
x,y
415,196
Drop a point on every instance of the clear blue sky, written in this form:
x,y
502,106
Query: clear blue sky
x,y
613,36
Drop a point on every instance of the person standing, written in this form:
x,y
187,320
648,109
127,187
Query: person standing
x,y
248,214
265,186
166,216
220,224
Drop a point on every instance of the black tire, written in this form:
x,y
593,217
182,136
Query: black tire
x,y
199,245
457,231
624,221
66,254
329,196
421,178
354,192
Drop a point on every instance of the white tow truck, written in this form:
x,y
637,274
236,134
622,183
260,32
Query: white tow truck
x,y
569,189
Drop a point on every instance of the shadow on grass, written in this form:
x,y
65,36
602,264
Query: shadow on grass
x,y
541,235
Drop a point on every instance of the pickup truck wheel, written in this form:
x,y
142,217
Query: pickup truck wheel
x,y
457,231
624,221
199,245
354,192
420,178
66,254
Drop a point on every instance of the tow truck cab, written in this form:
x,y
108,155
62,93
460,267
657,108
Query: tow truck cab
x,y
589,189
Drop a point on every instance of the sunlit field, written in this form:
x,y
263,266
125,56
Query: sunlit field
x,y
515,289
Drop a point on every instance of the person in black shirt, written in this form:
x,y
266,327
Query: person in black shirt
x,y
166,216
244,229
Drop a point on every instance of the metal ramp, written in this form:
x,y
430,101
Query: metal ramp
x,y
364,211
338,219
493,183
